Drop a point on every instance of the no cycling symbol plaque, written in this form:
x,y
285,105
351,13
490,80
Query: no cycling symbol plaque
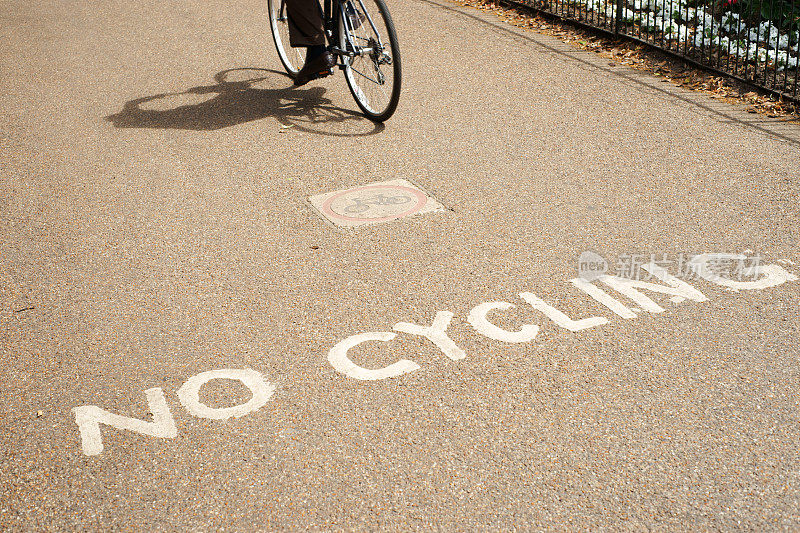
x,y
374,203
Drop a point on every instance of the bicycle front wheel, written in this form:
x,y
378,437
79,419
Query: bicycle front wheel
x,y
292,58
372,68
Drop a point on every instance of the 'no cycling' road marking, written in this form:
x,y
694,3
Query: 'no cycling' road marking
x,y
90,417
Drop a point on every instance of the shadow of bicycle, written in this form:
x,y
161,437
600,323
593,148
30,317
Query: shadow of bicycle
x,y
243,95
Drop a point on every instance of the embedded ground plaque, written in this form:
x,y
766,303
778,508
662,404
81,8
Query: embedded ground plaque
x,y
374,203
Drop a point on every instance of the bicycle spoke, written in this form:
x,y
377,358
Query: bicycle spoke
x,y
376,82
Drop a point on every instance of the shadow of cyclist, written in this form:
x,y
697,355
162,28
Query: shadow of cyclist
x,y
229,103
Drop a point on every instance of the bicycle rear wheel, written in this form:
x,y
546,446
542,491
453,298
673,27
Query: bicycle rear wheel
x,y
292,58
373,71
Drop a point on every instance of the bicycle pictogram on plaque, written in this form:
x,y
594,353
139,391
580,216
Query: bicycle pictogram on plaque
x,y
377,202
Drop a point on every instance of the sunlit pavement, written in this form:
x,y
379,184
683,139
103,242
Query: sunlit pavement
x,y
575,305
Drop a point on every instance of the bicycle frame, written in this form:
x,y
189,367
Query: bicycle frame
x,y
332,30
331,19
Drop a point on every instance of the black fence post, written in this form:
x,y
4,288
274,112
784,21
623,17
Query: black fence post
x,y
617,21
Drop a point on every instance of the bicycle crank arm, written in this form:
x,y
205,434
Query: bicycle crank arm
x,y
339,52
362,51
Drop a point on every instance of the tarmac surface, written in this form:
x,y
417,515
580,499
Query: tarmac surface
x,y
155,225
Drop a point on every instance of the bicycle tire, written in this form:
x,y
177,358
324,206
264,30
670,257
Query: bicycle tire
x,y
358,209
291,58
377,103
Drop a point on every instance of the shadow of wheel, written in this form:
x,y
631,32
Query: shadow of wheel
x,y
243,95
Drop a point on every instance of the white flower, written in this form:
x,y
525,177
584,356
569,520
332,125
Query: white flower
x,y
730,23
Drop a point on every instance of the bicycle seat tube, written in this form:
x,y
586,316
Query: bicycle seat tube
x,y
330,22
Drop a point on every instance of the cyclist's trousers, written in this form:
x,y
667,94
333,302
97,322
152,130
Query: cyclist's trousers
x,y
306,27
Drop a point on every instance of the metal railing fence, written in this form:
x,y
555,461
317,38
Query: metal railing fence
x,y
755,41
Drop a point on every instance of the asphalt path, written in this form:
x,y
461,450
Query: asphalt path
x,y
155,225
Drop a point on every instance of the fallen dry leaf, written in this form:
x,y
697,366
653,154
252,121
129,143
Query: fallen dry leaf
x,y
643,58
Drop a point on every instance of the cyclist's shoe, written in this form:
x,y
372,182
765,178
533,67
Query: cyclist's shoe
x,y
318,67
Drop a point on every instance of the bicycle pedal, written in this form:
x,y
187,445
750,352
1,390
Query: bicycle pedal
x,y
323,74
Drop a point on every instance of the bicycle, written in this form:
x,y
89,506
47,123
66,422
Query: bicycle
x,y
364,43
359,205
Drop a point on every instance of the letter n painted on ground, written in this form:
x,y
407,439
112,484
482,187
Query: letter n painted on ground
x,y
89,418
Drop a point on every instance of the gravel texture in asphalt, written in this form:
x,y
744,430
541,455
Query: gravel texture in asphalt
x,y
155,225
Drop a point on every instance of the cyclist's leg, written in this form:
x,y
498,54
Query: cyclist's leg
x,y
306,27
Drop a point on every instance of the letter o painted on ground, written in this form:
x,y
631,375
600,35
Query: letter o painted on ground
x,y
189,393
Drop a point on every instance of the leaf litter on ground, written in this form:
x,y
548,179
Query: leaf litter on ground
x,y
644,58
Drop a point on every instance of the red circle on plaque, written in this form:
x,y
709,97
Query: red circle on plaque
x,y
419,195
